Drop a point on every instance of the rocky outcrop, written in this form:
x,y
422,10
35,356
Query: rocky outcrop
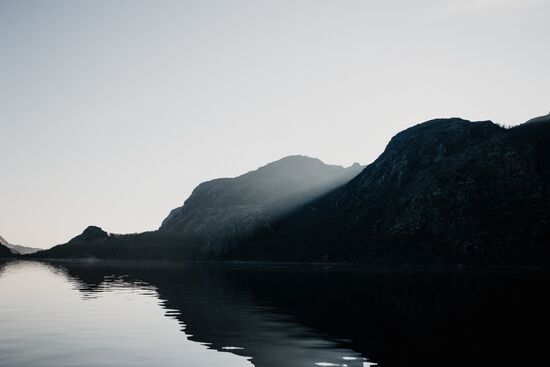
x,y
226,211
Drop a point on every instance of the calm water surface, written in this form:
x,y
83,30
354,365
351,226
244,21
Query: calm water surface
x,y
151,315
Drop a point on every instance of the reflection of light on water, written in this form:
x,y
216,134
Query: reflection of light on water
x,y
365,363
172,313
111,321
232,348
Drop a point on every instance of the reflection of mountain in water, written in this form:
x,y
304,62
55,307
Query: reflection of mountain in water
x,y
299,318
212,311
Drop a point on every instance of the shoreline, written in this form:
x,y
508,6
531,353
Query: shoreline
x,y
304,266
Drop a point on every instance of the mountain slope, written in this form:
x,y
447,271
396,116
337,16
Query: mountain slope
x,y
21,250
540,119
225,211
445,191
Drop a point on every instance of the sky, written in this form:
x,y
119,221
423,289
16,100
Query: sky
x,y
111,112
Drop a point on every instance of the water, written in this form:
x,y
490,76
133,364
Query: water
x,y
101,314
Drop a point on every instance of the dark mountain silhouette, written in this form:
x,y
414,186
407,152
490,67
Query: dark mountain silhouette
x,y
226,211
17,249
445,191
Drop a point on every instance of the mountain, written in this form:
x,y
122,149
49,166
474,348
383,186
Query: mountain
x,y
21,250
447,191
444,191
218,214
226,211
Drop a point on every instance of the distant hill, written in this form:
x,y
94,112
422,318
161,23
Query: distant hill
x,y
21,250
445,191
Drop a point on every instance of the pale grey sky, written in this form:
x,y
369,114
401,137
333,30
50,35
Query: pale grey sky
x,y
112,111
